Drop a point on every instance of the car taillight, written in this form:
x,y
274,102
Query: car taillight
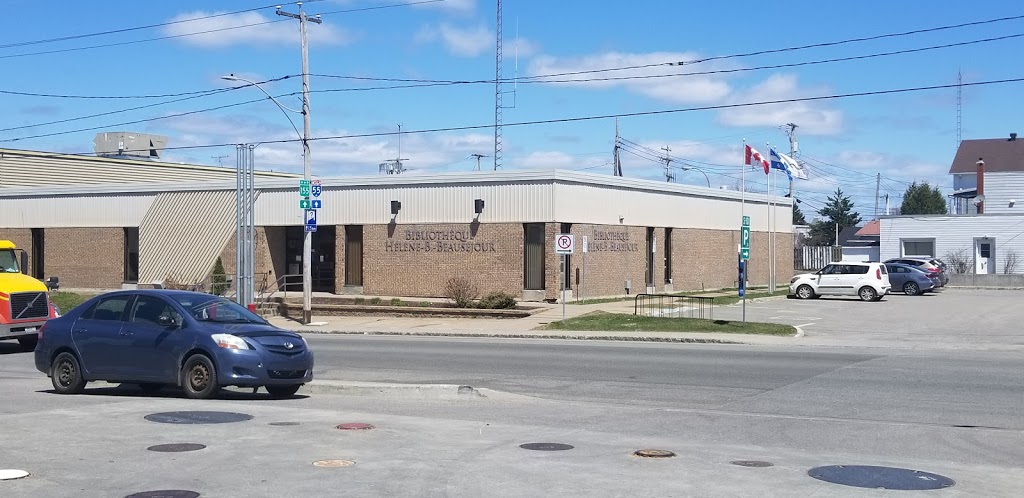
x,y
878,273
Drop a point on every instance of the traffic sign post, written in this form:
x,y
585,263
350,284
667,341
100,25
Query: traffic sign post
x,y
565,243
744,256
583,283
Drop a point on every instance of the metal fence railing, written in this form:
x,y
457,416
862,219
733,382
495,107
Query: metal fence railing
x,y
672,306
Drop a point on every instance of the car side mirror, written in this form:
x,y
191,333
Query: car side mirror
x,y
167,321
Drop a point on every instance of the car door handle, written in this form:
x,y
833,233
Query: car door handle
x,y
125,333
80,331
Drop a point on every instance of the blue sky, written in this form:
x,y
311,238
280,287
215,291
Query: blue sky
x,y
844,142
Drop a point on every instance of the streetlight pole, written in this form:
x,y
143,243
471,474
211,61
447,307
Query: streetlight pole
x,y
307,240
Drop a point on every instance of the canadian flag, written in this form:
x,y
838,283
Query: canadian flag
x,y
750,154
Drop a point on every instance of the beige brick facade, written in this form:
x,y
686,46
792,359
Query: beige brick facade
x,y
615,254
86,258
269,256
418,260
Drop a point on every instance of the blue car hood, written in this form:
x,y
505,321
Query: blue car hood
x,y
253,330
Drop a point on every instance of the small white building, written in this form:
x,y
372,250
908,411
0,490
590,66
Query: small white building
x,y
984,231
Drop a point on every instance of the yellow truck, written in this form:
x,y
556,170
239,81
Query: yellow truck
x,y
24,301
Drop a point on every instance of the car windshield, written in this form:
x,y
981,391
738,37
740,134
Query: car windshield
x,y
216,309
8,262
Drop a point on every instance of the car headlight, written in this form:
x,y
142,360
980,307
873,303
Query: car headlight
x,y
229,341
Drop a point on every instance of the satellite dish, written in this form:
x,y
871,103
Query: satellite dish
x,y
978,200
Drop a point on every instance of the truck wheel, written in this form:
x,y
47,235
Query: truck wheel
x,y
199,378
28,342
66,374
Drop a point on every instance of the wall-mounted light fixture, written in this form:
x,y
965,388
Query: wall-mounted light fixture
x,y
396,206
478,206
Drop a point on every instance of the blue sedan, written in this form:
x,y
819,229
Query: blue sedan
x,y
912,280
158,338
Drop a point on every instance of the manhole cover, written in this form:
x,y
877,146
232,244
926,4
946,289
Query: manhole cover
x,y
167,493
354,426
752,463
868,476
8,474
654,453
176,447
333,463
283,424
546,446
198,417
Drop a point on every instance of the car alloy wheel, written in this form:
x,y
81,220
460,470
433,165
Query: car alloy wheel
x,y
911,289
867,294
805,292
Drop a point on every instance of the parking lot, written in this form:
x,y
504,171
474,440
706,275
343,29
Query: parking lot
x,y
970,319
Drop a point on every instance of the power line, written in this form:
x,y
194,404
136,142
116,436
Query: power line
x,y
577,118
217,30
107,113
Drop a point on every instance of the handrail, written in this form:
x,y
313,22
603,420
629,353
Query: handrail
x,y
280,284
674,306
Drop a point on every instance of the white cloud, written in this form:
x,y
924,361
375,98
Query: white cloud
x,y
655,84
813,118
225,30
457,6
463,42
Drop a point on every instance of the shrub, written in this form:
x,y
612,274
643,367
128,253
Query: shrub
x,y
172,282
218,280
358,300
461,291
375,301
397,302
424,304
959,261
497,301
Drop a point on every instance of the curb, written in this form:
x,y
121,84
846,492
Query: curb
x,y
686,340
419,391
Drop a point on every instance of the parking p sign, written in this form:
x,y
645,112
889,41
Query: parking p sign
x,y
564,243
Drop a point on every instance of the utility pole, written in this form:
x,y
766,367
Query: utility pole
x,y
668,161
793,149
307,240
617,168
478,157
878,187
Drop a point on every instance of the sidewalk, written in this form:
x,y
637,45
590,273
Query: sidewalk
x,y
529,327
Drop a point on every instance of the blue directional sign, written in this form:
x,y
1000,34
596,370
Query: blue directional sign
x,y
316,204
310,220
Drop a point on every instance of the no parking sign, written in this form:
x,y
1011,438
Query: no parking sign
x,y
564,243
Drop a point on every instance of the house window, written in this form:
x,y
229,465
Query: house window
x,y
918,247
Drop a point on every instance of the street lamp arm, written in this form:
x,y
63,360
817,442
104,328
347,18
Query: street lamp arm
x,y
283,107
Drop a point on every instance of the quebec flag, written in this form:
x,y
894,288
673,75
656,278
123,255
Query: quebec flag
x,y
785,163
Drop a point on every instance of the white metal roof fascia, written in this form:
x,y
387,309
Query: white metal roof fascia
x,y
542,176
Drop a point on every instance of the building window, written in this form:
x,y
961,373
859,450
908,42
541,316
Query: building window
x,y
567,261
668,255
131,255
918,248
533,256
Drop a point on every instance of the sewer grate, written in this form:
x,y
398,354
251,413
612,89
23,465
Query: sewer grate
x,y
354,426
167,493
176,447
752,463
654,453
546,446
10,474
198,417
874,477
333,463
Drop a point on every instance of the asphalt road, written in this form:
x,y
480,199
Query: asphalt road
x,y
956,414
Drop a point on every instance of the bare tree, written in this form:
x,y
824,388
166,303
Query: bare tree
x,y
959,261
1011,260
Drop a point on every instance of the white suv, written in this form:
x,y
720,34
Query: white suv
x,y
870,281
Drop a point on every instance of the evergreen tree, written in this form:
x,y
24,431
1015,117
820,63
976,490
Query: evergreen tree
x,y
923,199
798,215
837,214
218,280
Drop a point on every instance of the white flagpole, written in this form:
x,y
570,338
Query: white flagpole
x,y
768,222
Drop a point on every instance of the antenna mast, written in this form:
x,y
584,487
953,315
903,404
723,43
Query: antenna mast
x,y
497,93
478,157
959,103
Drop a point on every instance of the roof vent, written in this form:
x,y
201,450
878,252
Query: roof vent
x,y
1013,136
129,145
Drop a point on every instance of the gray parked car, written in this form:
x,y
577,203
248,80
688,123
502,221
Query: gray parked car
x,y
911,280
932,266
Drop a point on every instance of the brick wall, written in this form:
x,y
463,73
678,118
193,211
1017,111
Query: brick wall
x,y
706,259
417,260
615,253
268,253
85,258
